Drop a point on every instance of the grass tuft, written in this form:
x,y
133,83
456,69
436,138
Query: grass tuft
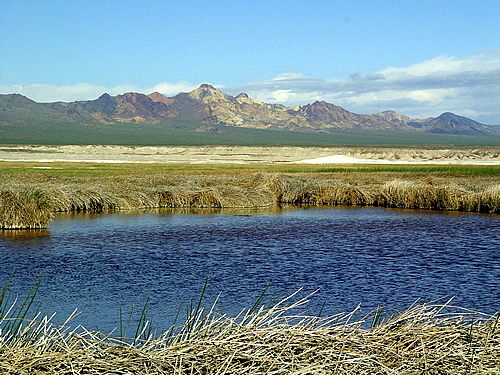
x,y
24,210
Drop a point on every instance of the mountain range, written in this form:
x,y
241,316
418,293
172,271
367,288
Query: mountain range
x,y
209,107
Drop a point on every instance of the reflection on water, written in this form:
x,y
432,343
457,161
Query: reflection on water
x,y
23,234
364,256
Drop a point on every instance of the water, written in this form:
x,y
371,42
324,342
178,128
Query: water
x,y
366,256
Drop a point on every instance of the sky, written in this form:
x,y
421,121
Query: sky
x,y
418,58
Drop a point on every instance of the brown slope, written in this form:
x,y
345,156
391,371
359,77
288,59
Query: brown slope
x,y
140,108
208,105
450,123
129,107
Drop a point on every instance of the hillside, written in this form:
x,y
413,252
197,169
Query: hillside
x,y
210,111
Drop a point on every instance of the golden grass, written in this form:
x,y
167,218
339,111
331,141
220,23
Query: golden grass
x,y
315,191
405,194
415,195
425,339
152,188
24,210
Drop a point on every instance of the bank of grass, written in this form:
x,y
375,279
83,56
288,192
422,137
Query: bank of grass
x,y
92,187
276,338
24,209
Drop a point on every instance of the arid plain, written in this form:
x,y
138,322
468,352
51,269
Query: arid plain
x,y
251,154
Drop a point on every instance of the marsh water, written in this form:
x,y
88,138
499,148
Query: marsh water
x,y
366,256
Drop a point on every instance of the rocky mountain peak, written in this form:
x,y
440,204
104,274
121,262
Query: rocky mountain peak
x,y
447,116
104,96
326,112
245,99
450,123
160,98
393,116
207,86
131,96
206,90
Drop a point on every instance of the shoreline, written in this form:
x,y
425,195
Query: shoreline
x,y
29,196
47,179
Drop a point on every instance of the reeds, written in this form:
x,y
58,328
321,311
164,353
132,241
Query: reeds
x,y
24,210
314,191
404,194
280,338
28,203
421,195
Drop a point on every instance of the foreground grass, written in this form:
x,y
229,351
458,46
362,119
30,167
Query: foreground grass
x,y
29,192
274,339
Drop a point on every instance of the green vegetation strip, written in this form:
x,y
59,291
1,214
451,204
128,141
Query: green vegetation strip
x,y
104,169
440,170
31,129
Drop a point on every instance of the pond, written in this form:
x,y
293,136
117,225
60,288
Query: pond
x,y
352,256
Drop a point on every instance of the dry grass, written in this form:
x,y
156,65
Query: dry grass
x,y
241,189
316,191
405,194
24,210
487,200
425,339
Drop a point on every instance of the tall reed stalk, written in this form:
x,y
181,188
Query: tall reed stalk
x,y
280,337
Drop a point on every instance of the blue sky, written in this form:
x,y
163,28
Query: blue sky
x,y
416,58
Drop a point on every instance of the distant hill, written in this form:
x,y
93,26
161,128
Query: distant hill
x,y
207,109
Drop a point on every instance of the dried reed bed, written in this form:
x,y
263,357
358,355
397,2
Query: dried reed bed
x,y
425,339
484,201
24,210
405,194
129,192
239,190
449,197
314,191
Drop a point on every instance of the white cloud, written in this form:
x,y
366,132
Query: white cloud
x,y
289,76
171,89
444,65
85,91
466,86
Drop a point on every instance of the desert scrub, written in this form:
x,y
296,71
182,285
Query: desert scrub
x,y
24,210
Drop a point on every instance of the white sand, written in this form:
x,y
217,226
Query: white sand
x,y
342,159
248,154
